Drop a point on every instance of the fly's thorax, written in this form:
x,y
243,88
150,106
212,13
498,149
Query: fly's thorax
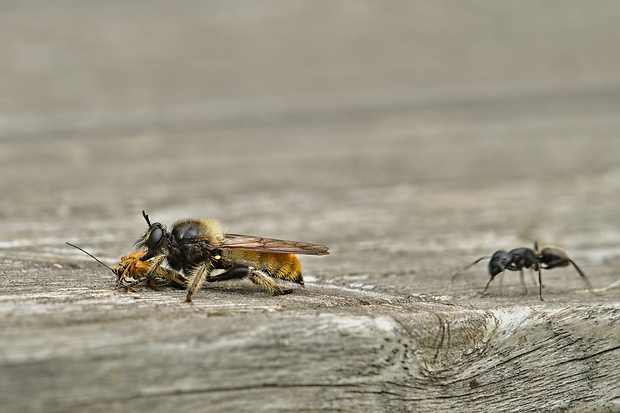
x,y
190,241
200,228
283,266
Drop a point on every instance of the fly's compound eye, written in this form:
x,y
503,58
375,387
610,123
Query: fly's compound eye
x,y
154,237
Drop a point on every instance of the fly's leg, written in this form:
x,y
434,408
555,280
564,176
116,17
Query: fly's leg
x,y
196,279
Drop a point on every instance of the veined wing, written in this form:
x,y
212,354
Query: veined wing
x,y
252,243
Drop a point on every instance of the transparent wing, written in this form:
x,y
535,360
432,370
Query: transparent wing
x,y
252,243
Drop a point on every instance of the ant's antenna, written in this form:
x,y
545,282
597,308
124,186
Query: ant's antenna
x,y
468,267
93,257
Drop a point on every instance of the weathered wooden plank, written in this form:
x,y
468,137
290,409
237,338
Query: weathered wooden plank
x,y
331,349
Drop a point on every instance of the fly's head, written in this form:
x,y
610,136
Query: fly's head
x,y
154,240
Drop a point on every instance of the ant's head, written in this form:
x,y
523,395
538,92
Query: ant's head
x,y
499,261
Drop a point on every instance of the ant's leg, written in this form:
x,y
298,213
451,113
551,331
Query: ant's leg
x,y
540,284
522,277
501,280
489,283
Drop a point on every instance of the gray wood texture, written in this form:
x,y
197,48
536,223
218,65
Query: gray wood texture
x,y
410,137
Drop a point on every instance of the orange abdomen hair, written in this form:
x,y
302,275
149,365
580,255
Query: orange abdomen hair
x,y
283,266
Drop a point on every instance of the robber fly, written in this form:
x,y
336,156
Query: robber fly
x,y
196,247
131,271
527,258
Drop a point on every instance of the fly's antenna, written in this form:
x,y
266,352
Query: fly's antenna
x,y
468,267
93,257
146,217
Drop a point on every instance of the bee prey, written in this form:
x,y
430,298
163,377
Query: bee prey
x,y
131,267
196,247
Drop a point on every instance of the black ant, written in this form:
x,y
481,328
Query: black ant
x,y
520,258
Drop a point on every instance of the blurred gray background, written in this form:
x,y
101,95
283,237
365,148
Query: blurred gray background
x,y
411,137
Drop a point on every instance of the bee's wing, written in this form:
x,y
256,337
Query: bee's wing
x,y
249,242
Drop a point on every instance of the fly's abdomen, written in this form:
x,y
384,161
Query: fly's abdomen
x,y
283,266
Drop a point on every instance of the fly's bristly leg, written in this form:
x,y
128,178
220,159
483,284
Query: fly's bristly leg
x,y
197,278
152,272
232,274
259,277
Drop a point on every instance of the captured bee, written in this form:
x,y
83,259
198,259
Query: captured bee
x,y
133,268
526,258
196,247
